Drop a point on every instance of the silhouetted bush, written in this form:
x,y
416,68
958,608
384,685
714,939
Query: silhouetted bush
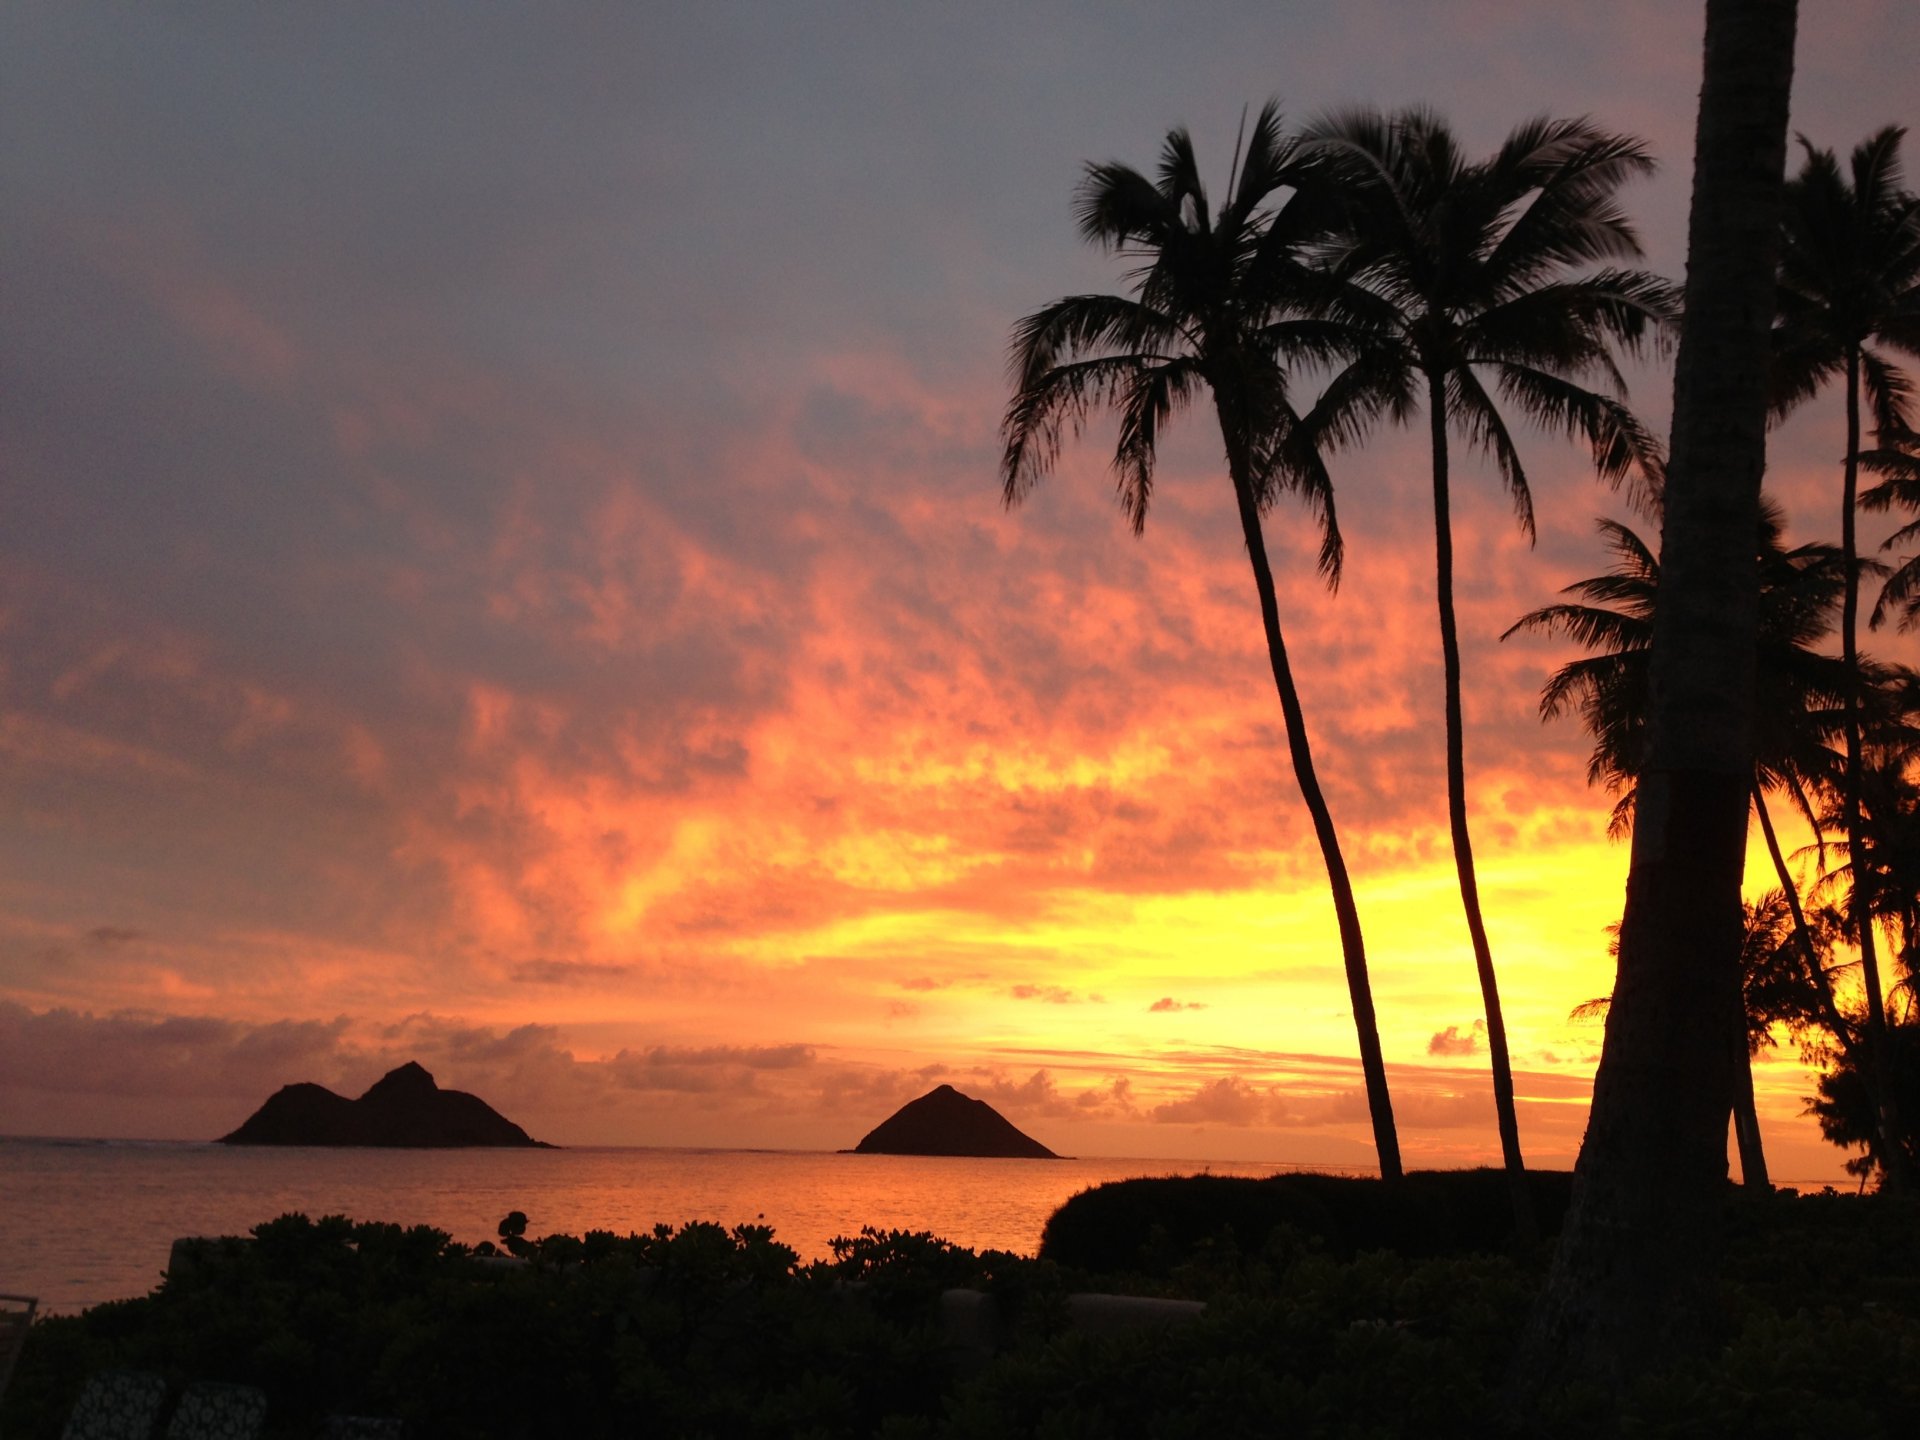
x,y
1154,1226
1312,1330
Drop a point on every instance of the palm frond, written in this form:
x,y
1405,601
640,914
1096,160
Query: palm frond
x,y
1079,326
1380,382
1889,392
1901,594
1180,182
1150,396
1043,414
1578,320
1116,205
1266,166
1589,626
1621,445
1480,420
1562,176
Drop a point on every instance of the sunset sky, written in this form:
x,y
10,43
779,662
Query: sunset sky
x,y
502,564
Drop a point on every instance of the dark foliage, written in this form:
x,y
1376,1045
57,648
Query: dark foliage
x,y
1312,1329
1152,1226
695,1331
1845,1109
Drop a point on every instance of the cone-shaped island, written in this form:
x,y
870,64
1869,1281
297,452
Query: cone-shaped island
x,y
404,1109
945,1122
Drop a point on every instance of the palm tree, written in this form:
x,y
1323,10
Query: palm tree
x,y
1887,866
1849,290
1470,272
1773,990
1641,1232
1796,717
1214,310
1797,688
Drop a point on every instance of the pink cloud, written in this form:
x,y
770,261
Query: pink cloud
x,y
1457,1041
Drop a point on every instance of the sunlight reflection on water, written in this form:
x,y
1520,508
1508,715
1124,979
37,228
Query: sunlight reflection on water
x,y
86,1221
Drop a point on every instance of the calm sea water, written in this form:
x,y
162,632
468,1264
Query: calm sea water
x,y
85,1221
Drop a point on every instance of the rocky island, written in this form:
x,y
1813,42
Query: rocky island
x,y
945,1122
403,1109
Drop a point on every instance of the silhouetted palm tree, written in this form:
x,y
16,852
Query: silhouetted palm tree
x,y
1773,990
1797,688
1889,820
1890,828
1796,714
1640,1239
1215,311
1476,272
1849,291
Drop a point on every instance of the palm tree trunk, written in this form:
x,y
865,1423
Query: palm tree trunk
x,y
1836,1022
1631,1274
1860,906
1525,1230
1386,1140
1746,1124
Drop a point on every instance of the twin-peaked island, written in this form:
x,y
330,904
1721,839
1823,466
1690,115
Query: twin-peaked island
x,y
403,1110
406,1109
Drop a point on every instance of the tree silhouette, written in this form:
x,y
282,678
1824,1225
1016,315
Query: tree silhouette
x,y
1848,1113
1773,991
1849,290
1470,273
1851,1105
1796,714
1641,1236
1216,309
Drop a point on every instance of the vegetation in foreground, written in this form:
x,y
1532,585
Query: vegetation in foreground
x,y
703,1331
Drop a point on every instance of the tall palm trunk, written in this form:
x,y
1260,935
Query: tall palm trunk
x,y
1746,1119
1893,1156
1525,1230
1640,1243
1386,1139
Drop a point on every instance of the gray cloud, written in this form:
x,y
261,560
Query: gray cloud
x,y
132,1053
1228,1100
109,937
566,972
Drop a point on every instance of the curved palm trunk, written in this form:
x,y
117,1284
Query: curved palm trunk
x,y
1525,1230
1386,1139
1893,1158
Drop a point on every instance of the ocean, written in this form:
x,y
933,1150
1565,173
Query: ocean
x,y
85,1221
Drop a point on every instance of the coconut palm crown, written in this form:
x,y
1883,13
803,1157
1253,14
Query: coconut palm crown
x,y
1220,306
1849,293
